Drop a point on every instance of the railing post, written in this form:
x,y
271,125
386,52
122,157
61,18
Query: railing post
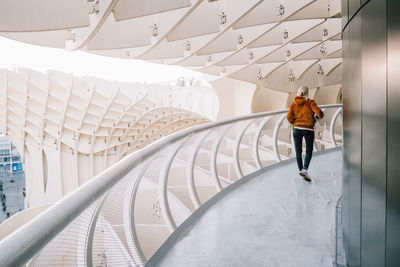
x,y
214,154
92,228
131,209
275,137
256,154
238,140
190,170
315,143
332,126
163,188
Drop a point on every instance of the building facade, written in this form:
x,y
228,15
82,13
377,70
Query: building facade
x,y
10,160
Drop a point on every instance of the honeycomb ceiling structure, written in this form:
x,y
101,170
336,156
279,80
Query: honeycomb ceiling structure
x,y
277,44
69,129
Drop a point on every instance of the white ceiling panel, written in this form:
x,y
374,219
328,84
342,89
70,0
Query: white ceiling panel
x,y
264,42
166,50
245,56
287,32
316,9
203,20
266,12
128,9
44,38
322,50
42,15
123,34
225,42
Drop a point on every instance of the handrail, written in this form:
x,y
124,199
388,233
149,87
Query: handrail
x,y
26,242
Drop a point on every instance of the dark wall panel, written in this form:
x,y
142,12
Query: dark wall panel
x,y
345,14
346,132
352,136
374,97
393,152
354,5
371,106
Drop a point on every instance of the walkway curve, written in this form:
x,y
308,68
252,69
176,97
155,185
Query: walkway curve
x,y
275,219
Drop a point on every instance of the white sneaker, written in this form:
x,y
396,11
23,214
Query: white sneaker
x,y
303,173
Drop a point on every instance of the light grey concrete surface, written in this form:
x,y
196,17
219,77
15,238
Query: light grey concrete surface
x,y
272,219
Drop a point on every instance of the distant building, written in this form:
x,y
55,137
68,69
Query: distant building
x,y
10,160
12,179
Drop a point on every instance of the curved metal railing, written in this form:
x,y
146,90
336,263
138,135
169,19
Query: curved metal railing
x,y
123,215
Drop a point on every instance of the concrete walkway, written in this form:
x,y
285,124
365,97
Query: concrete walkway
x,y
272,218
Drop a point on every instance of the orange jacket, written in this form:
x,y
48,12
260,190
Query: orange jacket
x,y
301,112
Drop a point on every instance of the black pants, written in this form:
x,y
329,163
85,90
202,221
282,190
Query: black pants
x,y
298,145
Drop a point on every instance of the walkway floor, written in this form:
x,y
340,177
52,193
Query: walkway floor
x,y
272,219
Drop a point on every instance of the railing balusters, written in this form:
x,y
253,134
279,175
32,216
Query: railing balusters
x,y
190,169
145,171
332,126
131,213
275,137
238,140
256,154
214,155
162,189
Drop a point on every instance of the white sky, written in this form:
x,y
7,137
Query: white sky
x,y
15,54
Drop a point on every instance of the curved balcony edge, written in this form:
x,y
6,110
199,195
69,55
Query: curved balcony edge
x,y
188,224
23,244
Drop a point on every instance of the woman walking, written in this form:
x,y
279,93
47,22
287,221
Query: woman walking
x,y
302,114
